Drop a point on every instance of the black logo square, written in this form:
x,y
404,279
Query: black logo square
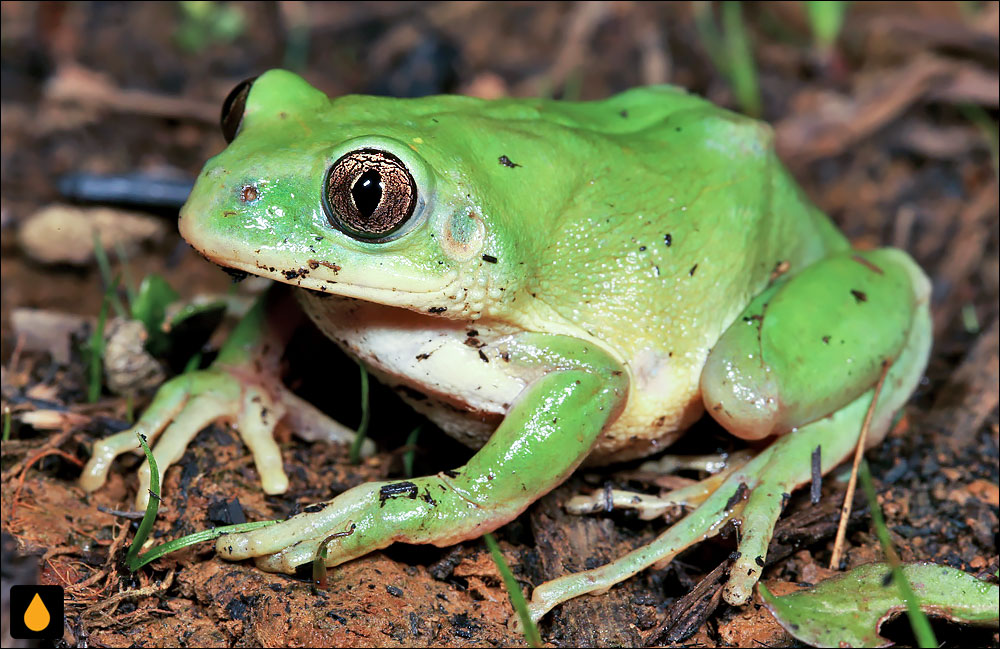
x,y
36,612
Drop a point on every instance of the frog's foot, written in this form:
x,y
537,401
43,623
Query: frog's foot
x,y
253,402
650,507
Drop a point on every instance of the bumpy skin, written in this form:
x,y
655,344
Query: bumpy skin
x,y
576,282
643,223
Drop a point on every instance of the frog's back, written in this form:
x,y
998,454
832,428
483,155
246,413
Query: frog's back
x,y
638,110
680,216
644,222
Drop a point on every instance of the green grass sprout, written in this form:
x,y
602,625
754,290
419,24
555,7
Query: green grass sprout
x,y
918,621
198,537
149,306
193,363
826,19
988,128
359,438
94,347
319,569
126,274
146,524
531,635
730,51
742,70
970,321
411,452
104,265
204,23
296,18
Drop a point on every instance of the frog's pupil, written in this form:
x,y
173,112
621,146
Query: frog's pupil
x,y
367,192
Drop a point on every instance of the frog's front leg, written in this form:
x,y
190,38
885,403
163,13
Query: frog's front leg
x,y
760,380
575,390
242,386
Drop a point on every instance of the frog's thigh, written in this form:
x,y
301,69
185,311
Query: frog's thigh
x,y
813,343
547,432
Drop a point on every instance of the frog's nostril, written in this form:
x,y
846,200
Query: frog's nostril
x,y
249,194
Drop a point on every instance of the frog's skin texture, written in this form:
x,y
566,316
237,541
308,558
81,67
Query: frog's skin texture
x,y
564,282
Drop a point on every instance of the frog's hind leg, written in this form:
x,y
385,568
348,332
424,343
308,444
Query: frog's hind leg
x,y
755,493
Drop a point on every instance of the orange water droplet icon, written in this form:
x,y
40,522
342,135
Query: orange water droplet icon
x,y
36,617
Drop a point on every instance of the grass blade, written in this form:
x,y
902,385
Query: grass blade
x,y
531,635
918,621
146,524
411,453
359,438
134,560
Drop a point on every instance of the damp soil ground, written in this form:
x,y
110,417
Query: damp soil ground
x,y
891,130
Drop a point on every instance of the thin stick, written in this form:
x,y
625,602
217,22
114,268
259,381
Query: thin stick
x,y
845,510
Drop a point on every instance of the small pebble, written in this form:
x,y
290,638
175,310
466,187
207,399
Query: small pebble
x,y
61,234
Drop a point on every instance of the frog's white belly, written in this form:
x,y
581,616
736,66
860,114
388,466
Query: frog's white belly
x,y
451,372
434,364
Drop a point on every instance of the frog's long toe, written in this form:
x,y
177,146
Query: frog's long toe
x,y
197,413
723,504
256,420
169,402
182,407
650,507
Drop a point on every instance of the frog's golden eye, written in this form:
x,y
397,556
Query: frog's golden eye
x,y
232,109
369,194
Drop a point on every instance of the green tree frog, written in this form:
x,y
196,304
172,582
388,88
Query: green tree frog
x,y
551,282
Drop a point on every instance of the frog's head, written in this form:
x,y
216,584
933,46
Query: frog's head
x,y
357,196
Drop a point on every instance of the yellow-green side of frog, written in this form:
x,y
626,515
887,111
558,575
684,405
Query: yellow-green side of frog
x,y
552,282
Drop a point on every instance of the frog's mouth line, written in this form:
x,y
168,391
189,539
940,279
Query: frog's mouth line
x,y
414,297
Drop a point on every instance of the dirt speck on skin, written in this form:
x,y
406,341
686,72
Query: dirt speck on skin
x,y
885,131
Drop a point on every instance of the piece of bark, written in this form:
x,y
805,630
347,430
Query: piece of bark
x,y
566,544
971,394
686,615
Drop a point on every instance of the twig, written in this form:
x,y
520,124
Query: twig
x,y
129,594
15,357
845,511
48,449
